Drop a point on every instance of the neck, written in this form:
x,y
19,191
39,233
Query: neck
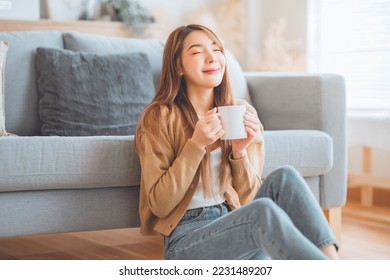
x,y
202,100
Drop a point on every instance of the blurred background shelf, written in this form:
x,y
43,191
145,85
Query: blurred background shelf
x,y
110,28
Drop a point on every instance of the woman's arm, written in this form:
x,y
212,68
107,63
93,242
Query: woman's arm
x,y
246,172
247,169
165,176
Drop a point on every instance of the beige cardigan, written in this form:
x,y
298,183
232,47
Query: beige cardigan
x,y
170,173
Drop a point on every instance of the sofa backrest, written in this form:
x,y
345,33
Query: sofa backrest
x,y
154,49
76,41
21,97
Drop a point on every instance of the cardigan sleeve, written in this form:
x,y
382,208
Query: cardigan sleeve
x,y
246,171
166,177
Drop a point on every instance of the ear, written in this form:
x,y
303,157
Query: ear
x,y
180,71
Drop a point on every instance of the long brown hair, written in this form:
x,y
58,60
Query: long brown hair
x,y
171,94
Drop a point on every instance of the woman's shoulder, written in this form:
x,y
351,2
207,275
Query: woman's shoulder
x,y
158,116
169,113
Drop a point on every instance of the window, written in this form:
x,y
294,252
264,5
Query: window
x,y
352,38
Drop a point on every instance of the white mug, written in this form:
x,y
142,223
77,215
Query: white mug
x,y
232,119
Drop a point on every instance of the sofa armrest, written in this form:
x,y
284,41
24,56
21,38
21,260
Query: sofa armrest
x,y
307,101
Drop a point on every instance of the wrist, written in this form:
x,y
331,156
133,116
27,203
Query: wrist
x,y
238,154
198,145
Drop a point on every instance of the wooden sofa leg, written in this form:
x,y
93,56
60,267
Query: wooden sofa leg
x,y
334,218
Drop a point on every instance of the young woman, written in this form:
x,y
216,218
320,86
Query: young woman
x,y
205,195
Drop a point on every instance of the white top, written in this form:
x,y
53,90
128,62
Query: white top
x,y
198,199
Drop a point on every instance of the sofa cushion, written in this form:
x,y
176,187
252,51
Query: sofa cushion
x,y
21,99
105,44
237,78
84,94
52,162
3,53
35,163
309,151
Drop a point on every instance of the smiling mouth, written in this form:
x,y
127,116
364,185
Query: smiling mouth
x,y
211,71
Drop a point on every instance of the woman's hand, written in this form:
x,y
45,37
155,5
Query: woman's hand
x,y
208,129
252,126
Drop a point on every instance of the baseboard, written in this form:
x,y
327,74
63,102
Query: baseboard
x,y
381,197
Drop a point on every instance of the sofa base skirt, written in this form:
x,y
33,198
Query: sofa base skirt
x,y
59,211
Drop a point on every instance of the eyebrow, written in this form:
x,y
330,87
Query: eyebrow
x,y
199,45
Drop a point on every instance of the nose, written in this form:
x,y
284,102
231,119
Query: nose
x,y
211,57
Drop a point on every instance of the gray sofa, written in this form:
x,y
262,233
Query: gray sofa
x,y
51,184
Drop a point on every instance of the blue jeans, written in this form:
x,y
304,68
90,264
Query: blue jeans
x,y
284,221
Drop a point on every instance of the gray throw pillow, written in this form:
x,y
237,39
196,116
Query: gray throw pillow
x,y
84,94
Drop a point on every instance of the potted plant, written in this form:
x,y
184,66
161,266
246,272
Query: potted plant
x,y
130,12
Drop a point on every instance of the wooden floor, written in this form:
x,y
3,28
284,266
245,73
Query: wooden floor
x,y
365,236
365,232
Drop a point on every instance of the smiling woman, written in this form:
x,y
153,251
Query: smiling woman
x,y
205,194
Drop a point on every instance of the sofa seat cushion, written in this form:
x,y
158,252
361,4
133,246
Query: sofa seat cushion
x,y
37,163
309,151
34,163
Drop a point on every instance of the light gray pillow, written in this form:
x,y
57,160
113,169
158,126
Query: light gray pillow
x,y
84,94
102,44
3,52
237,78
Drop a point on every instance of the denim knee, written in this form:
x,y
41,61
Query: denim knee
x,y
284,182
286,170
287,175
265,209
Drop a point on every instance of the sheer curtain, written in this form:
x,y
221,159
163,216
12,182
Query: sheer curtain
x,y
352,38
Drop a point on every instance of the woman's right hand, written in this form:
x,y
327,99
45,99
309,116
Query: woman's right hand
x,y
208,129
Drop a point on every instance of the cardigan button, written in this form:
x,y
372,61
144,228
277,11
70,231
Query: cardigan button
x,y
170,226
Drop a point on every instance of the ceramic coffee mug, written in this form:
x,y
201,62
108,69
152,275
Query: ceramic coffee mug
x,y
232,119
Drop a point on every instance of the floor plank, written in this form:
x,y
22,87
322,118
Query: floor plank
x,y
365,232
365,236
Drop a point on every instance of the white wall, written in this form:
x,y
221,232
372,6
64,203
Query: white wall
x,y
294,12
20,10
277,35
244,25
170,14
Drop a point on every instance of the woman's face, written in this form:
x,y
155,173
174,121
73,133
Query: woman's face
x,y
203,63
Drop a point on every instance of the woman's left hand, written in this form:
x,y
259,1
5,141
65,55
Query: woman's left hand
x,y
252,127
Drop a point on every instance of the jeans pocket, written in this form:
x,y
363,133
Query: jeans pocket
x,y
193,215
186,225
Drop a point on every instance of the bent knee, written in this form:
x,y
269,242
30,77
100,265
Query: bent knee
x,y
287,170
266,209
265,204
288,179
